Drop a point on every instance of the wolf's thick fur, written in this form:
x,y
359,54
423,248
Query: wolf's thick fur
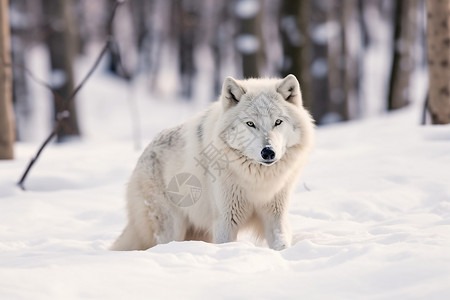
x,y
251,189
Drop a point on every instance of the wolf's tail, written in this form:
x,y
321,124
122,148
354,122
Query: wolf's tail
x,y
129,240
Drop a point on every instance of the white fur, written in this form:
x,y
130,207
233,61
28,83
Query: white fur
x,y
249,191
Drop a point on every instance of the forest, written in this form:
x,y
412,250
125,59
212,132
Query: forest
x,y
353,58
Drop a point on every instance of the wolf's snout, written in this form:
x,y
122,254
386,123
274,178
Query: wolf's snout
x,y
267,153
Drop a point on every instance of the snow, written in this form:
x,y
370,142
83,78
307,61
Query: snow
x,y
247,43
58,78
322,33
370,216
319,68
289,25
376,64
246,9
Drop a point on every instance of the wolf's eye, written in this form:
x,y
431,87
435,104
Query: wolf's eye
x,y
278,122
250,124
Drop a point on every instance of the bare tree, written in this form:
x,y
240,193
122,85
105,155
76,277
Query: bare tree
x,y
249,41
62,46
405,25
20,28
438,47
353,36
70,99
337,71
294,21
186,20
319,67
218,42
7,132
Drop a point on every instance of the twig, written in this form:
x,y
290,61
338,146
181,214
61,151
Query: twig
x,y
306,187
62,116
39,81
424,111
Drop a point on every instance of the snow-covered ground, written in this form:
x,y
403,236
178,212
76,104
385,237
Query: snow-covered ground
x,y
370,216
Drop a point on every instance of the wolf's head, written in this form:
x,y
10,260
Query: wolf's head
x,y
262,117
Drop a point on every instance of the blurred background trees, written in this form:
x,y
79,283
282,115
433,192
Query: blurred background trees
x,y
438,33
6,108
353,58
61,28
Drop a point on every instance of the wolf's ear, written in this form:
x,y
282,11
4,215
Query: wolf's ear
x,y
231,92
289,88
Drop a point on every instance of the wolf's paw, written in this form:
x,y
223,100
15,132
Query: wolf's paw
x,y
280,244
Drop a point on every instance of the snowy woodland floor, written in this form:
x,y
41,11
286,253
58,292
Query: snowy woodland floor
x,y
370,216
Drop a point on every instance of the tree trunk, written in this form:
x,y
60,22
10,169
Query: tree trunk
x,y
218,43
62,46
7,131
403,60
319,68
363,24
337,106
438,47
249,39
19,32
294,22
187,21
353,43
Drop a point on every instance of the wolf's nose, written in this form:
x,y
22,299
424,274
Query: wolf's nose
x,y
267,153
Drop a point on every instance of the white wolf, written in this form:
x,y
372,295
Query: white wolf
x,y
232,166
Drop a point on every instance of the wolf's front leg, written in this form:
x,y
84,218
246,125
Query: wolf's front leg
x,y
232,212
224,231
278,232
276,224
